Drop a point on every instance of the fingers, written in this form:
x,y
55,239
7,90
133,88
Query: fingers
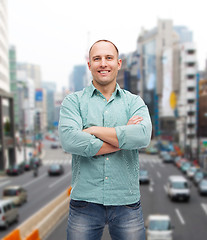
x,y
134,120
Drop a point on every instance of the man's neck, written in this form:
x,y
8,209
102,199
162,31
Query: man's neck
x,y
106,90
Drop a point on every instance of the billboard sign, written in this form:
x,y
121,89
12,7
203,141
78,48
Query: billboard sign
x,y
38,95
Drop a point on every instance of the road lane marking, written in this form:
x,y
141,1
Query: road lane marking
x,y
35,180
165,188
180,216
204,206
62,161
61,179
151,189
158,174
4,183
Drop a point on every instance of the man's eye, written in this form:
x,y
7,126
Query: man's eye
x,y
109,58
96,59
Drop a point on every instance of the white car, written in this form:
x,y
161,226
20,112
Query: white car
x,y
159,227
8,213
191,171
178,188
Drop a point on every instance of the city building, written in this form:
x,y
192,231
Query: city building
x,y
7,129
168,78
26,101
14,84
186,120
78,78
150,47
32,71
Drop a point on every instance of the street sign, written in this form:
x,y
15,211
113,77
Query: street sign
x,y
173,100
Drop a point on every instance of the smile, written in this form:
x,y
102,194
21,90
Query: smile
x,y
104,71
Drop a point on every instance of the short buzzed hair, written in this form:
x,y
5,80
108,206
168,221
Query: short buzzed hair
x,y
104,40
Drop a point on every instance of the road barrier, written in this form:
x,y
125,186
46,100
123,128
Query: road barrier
x,y
41,223
14,235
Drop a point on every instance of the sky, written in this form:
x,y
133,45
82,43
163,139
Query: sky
x,y
56,34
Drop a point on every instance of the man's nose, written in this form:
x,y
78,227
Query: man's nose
x,y
103,62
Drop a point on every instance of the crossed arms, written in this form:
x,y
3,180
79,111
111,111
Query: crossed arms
x,y
108,136
98,140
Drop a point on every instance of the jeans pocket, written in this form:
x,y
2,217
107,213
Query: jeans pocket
x,y
133,205
78,204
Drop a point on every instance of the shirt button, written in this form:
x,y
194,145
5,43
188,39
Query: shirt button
x,y
106,178
104,99
107,158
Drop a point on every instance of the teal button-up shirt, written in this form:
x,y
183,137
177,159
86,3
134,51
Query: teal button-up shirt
x,y
109,179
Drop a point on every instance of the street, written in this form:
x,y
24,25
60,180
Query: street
x,y
188,218
41,189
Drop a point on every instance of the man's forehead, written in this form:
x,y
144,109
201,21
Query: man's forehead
x,y
103,48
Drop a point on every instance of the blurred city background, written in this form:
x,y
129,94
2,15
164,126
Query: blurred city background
x,y
163,69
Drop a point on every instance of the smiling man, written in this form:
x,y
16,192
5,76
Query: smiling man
x,y
103,126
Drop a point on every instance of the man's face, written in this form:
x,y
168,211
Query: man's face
x,y
104,63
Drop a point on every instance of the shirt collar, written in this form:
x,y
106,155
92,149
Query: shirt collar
x,y
92,89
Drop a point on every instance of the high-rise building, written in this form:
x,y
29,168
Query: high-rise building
x,y
4,66
14,84
50,88
168,68
187,98
150,47
7,130
78,77
32,71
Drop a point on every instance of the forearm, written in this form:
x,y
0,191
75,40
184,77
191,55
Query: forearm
x,y
107,148
107,135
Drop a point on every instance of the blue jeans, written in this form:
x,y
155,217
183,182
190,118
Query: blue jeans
x,y
86,221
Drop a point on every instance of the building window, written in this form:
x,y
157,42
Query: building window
x,y
190,76
190,64
191,89
190,101
190,52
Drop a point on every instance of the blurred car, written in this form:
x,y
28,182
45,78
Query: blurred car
x,y
55,169
15,169
151,150
144,176
176,160
54,145
167,158
185,166
159,227
178,188
198,176
162,153
8,213
202,187
28,165
15,193
180,162
191,171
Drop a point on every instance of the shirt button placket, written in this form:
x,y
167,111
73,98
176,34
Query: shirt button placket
x,y
107,180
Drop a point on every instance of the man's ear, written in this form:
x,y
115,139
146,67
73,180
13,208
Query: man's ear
x,y
119,64
89,65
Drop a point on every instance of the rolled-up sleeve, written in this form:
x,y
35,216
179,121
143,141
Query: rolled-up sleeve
x,y
72,138
139,135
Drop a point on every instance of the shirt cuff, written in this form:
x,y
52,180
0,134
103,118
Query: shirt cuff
x,y
93,147
120,133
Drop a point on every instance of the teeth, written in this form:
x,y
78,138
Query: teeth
x,y
103,71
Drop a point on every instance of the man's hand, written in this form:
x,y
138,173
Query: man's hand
x,y
89,130
134,120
